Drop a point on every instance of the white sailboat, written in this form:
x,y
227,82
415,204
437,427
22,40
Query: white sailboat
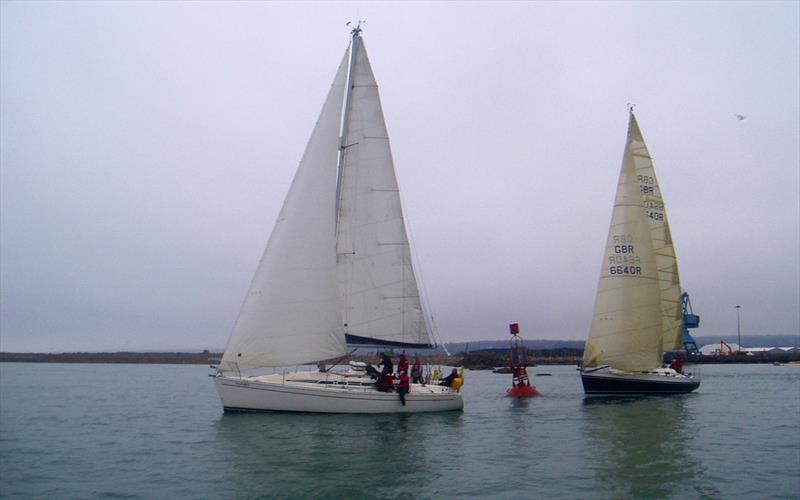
x,y
336,271
638,308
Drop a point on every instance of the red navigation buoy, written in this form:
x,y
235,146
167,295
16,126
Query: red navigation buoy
x,y
521,386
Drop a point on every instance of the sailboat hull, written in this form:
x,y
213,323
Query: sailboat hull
x,y
612,382
275,393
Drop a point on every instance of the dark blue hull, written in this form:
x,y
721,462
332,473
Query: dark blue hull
x,y
631,384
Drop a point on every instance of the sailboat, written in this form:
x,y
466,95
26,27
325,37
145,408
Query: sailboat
x,y
638,311
336,272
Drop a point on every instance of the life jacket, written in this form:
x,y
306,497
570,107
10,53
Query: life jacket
x,y
402,365
404,382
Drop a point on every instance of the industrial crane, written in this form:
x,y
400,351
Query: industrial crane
x,y
690,320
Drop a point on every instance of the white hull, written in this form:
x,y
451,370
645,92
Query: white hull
x,y
323,393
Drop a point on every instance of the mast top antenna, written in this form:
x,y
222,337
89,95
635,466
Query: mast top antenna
x,y
357,29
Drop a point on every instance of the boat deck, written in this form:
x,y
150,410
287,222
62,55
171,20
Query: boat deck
x,y
350,381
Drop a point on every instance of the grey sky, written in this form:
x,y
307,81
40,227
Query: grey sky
x,y
146,147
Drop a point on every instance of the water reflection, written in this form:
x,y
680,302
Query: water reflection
x,y
321,456
642,446
519,404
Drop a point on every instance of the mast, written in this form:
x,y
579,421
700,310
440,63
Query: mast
x,y
355,34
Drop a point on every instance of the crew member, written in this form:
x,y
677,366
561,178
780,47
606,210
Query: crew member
x,y
403,386
448,380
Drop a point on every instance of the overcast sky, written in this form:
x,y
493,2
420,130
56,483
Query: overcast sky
x,y
146,149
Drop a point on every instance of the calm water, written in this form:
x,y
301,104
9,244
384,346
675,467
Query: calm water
x,y
149,431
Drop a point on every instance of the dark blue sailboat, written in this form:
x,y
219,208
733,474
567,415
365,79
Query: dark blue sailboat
x,y
638,312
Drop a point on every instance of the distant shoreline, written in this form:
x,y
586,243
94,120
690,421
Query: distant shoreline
x,y
480,360
145,358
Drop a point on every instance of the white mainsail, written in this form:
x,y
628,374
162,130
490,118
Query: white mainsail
x,y
666,261
626,331
380,297
291,314
325,274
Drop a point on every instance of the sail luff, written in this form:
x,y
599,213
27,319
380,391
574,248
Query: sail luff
x,y
345,122
291,312
380,297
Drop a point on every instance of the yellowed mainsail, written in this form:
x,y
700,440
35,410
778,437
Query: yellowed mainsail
x,y
637,312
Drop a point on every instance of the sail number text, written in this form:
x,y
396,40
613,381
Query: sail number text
x,y
647,184
623,260
629,270
654,210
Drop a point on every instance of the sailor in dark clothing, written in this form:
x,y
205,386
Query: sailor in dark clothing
x,y
385,383
386,362
448,380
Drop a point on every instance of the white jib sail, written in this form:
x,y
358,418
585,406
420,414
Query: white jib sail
x,y
626,324
291,312
379,290
666,261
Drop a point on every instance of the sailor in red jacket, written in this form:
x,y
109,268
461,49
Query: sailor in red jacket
x,y
402,364
403,386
